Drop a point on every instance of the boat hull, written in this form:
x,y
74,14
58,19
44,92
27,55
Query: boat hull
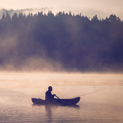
x,y
67,102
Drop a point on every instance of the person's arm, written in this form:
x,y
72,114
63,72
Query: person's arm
x,y
53,95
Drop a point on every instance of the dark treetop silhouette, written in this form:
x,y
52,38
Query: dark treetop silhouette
x,y
74,41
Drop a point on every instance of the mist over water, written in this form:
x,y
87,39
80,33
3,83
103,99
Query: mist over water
x,y
41,50
105,104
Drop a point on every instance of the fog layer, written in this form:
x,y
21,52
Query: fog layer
x,y
61,42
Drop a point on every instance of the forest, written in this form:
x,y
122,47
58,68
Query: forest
x,y
75,42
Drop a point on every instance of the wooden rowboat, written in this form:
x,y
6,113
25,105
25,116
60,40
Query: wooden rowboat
x,y
67,102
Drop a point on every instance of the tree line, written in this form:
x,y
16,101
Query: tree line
x,y
75,41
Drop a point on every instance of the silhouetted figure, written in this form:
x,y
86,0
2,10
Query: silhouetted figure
x,y
48,95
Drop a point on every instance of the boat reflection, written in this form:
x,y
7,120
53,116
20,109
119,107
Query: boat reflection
x,y
71,106
52,110
48,113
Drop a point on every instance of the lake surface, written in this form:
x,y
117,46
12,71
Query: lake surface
x,y
103,105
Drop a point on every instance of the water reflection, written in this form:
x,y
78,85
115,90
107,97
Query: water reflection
x,y
48,113
61,111
57,113
103,106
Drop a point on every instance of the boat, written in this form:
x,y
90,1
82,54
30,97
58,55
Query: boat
x,y
63,102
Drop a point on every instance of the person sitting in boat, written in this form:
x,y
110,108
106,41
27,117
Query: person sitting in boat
x,y
48,95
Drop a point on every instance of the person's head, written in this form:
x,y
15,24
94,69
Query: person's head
x,y
50,88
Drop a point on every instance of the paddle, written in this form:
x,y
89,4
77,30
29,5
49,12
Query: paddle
x,y
57,97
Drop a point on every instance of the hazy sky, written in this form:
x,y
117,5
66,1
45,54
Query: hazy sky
x,y
90,8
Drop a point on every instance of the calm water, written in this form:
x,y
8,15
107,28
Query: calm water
x,y
105,105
